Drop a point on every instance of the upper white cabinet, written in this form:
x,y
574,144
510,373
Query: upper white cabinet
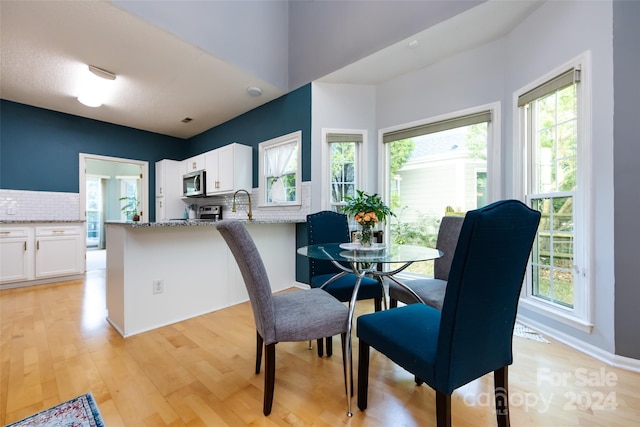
x,y
193,164
168,178
229,168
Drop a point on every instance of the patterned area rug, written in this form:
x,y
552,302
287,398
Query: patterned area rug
x,y
524,332
81,411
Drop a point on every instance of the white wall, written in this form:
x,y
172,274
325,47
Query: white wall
x,y
554,34
342,106
551,36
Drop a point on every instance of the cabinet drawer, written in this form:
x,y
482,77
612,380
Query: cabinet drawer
x,y
64,230
13,232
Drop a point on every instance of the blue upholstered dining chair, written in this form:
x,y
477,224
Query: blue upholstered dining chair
x,y
432,289
472,335
333,227
290,316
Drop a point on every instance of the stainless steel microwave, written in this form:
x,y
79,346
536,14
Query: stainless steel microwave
x,y
193,184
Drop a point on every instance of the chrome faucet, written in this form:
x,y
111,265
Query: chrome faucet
x,y
248,204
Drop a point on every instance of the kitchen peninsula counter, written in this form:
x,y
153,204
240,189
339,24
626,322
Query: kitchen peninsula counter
x,y
165,272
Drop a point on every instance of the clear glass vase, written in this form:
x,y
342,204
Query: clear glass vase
x,y
366,234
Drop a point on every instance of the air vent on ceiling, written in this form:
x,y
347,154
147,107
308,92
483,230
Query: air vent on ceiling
x,y
186,120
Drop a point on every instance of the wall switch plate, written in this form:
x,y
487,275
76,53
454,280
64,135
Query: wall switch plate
x,y
158,286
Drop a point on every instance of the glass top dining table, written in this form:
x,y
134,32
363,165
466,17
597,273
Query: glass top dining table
x,y
363,261
376,253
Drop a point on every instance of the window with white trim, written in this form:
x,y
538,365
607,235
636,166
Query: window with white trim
x,y
280,170
553,116
344,167
445,166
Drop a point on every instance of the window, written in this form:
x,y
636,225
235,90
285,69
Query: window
x,y
435,169
552,117
280,170
344,151
94,210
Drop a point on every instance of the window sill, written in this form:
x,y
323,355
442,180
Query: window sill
x,y
556,314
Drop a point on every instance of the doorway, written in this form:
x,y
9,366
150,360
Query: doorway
x,y
106,185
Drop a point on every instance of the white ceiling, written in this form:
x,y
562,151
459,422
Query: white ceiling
x,y
162,79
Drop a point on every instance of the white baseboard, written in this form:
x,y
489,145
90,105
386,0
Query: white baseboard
x,y
586,348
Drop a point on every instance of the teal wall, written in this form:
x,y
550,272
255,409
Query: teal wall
x,y
281,116
39,149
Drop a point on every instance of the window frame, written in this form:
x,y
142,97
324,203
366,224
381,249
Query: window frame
x,y
359,160
293,137
494,150
581,315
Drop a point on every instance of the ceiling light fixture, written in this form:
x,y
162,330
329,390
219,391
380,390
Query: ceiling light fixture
x,y
254,91
96,86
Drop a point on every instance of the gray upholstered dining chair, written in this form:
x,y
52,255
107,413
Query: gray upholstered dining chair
x,y
291,316
432,290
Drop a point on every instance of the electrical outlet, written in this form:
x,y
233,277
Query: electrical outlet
x,y
158,286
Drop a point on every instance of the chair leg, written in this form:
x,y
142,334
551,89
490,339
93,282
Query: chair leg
x,y
417,380
377,304
320,345
501,388
363,374
443,409
393,303
269,377
329,346
259,342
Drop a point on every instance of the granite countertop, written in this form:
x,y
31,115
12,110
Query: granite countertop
x,y
198,223
42,221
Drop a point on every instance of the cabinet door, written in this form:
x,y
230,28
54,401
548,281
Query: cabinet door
x,y
160,178
14,259
226,166
211,163
193,164
59,251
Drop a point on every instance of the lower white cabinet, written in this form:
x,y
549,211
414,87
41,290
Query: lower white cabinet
x,y
59,251
16,254
41,252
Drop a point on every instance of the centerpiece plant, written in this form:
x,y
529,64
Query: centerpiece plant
x,y
367,211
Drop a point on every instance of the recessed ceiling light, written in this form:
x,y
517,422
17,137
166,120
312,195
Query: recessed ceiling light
x,y
254,91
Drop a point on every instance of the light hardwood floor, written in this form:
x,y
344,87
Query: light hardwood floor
x,y
56,344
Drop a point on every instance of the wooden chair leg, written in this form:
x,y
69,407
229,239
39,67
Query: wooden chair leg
x,y
377,304
443,409
269,377
501,388
393,303
363,374
329,346
320,345
259,342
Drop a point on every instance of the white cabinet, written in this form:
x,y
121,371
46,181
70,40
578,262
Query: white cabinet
x,y
169,204
40,252
229,168
193,164
59,251
16,254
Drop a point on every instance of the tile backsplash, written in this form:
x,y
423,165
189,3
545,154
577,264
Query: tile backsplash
x,y
22,205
